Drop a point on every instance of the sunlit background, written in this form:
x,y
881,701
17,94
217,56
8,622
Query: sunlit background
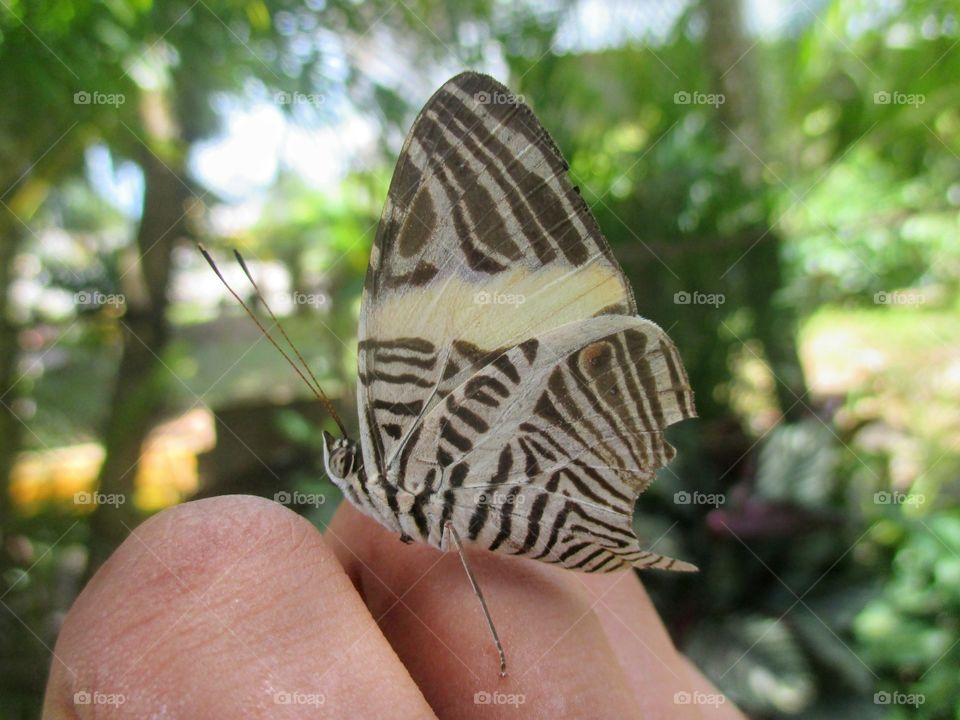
x,y
780,180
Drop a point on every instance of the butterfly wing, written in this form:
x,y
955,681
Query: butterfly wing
x,y
483,243
544,450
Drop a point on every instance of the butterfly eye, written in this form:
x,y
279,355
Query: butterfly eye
x,y
341,462
347,461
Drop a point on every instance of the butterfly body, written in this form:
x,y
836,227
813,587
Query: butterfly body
x,y
507,388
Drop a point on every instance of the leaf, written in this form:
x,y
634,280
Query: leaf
x,y
830,649
756,661
796,464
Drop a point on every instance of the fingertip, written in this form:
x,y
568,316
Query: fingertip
x,y
230,606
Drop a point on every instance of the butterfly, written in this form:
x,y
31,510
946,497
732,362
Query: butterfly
x,y
509,396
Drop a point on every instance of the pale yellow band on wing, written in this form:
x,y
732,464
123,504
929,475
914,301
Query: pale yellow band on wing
x,y
501,310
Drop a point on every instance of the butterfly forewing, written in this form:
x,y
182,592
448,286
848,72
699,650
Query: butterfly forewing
x,y
504,382
483,242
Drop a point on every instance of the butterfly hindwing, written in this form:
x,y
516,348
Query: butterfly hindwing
x,y
543,451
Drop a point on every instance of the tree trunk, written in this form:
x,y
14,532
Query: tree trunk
x,y
739,122
10,426
142,378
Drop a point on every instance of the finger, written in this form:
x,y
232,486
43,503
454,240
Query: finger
x,y
665,683
642,645
559,661
224,608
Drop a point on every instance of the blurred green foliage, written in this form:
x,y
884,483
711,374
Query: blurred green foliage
x,y
820,199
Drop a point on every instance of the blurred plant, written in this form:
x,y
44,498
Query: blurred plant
x,y
911,632
774,631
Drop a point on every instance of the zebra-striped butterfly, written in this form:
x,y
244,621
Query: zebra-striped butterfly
x,y
508,394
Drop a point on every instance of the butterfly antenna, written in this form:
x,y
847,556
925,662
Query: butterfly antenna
x,y
315,385
256,289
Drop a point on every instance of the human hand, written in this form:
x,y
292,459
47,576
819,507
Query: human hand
x,y
237,607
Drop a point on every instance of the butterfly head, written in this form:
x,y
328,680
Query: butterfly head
x,y
341,458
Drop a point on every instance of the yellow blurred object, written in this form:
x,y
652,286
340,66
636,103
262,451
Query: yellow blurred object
x,y
54,476
167,473
168,470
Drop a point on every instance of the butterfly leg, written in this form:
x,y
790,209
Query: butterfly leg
x,y
476,589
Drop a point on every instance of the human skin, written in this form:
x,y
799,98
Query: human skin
x,y
237,607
